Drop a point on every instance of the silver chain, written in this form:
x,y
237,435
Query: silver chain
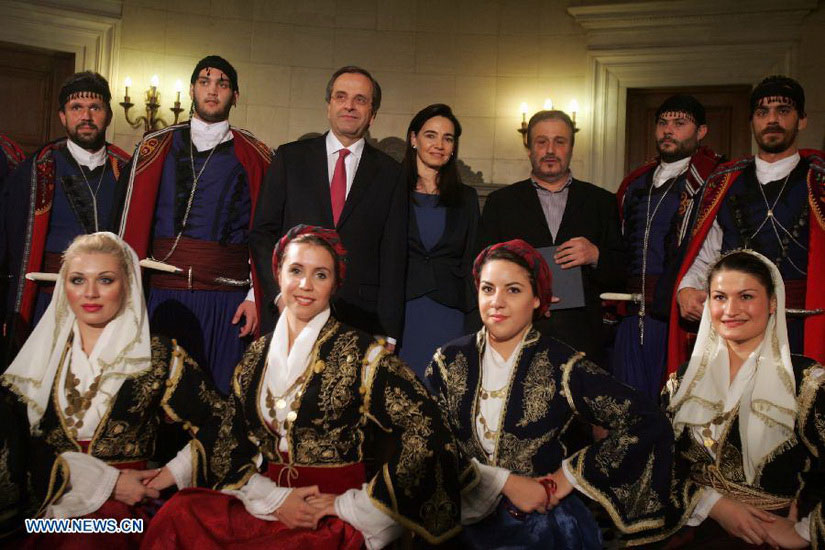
x,y
776,225
97,189
645,242
196,176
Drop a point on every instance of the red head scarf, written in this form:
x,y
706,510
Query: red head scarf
x,y
538,268
328,236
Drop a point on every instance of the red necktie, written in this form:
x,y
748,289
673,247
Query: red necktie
x,y
338,188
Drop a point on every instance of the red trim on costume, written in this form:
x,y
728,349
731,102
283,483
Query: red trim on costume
x,y
716,189
43,171
14,154
142,192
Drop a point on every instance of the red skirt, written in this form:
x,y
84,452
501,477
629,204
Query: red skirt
x,y
202,519
111,509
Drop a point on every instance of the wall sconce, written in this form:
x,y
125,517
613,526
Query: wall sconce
x,y
151,121
523,129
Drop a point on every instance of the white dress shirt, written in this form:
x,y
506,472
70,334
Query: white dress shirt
x,y
89,159
350,162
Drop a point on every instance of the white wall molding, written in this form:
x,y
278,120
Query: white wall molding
x,y
639,45
91,32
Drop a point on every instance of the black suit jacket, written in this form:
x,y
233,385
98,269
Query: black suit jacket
x,y
444,272
373,228
515,212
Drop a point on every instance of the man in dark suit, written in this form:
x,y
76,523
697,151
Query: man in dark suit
x,y
339,181
554,209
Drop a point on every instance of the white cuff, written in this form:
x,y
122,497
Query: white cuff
x,y
697,273
91,483
261,496
565,468
803,528
482,499
706,503
356,508
250,296
181,467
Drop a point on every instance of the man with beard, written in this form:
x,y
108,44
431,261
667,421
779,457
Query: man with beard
x,y
774,204
338,180
554,209
66,188
188,198
656,204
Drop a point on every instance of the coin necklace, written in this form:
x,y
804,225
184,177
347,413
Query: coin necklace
x,y
89,187
275,403
196,176
78,403
707,439
485,394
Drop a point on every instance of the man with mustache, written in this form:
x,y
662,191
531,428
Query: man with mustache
x,y
338,180
656,204
188,200
773,203
552,208
66,188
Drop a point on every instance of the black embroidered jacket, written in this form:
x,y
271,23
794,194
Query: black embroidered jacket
x,y
627,472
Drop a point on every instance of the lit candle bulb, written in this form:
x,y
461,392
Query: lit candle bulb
x,y
573,108
154,82
178,89
127,83
524,110
548,104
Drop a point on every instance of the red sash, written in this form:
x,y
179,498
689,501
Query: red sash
x,y
715,191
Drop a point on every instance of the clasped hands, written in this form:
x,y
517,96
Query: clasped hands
x,y
756,526
528,494
304,508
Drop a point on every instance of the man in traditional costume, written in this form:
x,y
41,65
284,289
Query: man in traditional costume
x,y
66,188
11,157
656,203
773,203
188,200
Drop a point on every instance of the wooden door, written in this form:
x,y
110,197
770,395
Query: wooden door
x,y
30,80
728,120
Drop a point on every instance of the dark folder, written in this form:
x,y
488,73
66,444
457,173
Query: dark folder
x,y
567,283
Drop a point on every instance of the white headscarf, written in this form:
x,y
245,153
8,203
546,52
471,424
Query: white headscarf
x,y
124,351
767,408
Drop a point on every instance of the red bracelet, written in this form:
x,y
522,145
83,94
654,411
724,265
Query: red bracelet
x,y
549,488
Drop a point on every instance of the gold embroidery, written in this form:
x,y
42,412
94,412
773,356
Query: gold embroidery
x,y
638,497
539,389
516,453
454,376
439,511
417,429
244,372
9,491
334,446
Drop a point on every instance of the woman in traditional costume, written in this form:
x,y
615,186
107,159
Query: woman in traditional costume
x,y
92,386
510,394
749,421
302,401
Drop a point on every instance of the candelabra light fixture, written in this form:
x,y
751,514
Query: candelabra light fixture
x,y
151,121
572,109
